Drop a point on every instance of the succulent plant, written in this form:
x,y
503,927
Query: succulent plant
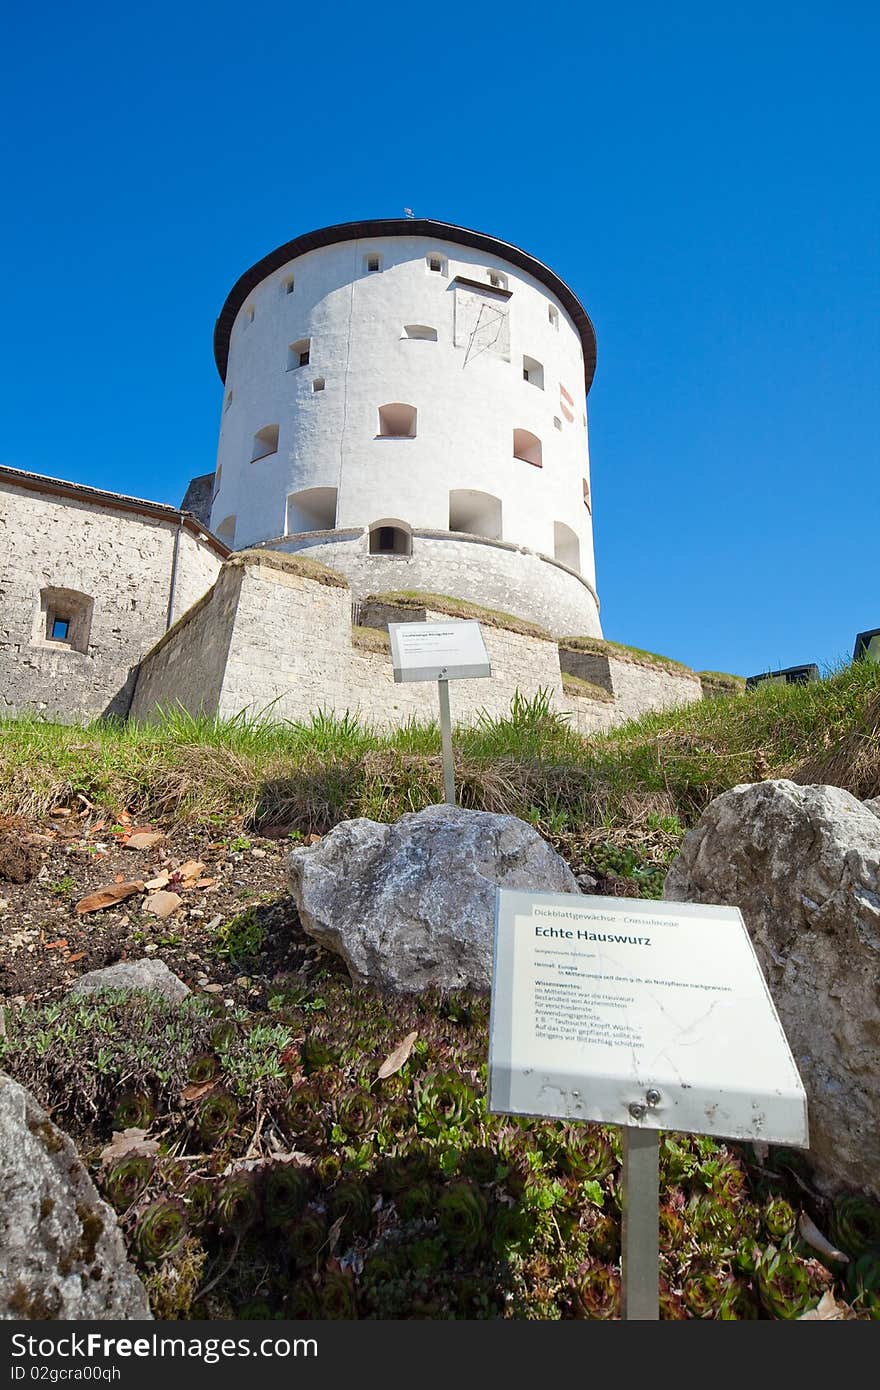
x,y
203,1067
704,1293
303,1301
160,1229
595,1292
307,1235
135,1109
787,1286
855,1225
462,1213
587,1154
442,1100
198,1195
126,1180
351,1199
237,1204
863,1282
417,1202
780,1218
355,1112
286,1190
306,1116
338,1298
216,1117
479,1163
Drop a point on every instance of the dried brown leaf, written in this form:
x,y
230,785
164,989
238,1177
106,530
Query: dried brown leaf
x,y
189,872
398,1058
108,896
826,1310
129,1142
813,1236
196,1089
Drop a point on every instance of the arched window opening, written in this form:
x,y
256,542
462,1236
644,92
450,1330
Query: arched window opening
x,y
265,442
313,509
298,354
372,262
64,618
475,513
527,446
436,263
587,502
422,331
226,530
287,285
397,421
249,314
566,546
390,537
533,372
497,280
553,315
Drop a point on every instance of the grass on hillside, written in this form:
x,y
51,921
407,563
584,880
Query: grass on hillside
x,y
529,763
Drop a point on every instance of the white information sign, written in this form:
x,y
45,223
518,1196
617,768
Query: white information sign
x,y
438,651
641,1013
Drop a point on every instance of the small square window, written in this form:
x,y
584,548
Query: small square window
x,y
60,629
287,285
318,384
372,263
497,280
435,263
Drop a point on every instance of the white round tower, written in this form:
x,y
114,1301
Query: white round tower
x,y
405,401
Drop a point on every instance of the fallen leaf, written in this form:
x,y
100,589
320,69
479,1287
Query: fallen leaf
x,y
333,1233
162,904
143,839
826,1310
60,811
79,955
96,829
129,1142
108,896
55,945
313,839
152,884
189,872
396,1059
204,883
124,818
813,1236
196,1090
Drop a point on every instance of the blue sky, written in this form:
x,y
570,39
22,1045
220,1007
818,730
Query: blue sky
x,y
705,181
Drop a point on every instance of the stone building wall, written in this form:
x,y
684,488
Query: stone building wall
x,y
275,640
89,553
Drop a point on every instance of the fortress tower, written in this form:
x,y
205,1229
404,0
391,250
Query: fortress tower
x,y
405,401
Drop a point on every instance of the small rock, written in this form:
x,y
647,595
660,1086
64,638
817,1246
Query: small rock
x,y
4,904
162,904
143,839
63,1255
213,989
412,905
258,854
150,975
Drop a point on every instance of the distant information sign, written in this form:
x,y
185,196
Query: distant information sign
x,y
438,651
633,1012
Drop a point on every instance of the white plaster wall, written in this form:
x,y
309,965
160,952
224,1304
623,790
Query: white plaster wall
x,y
122,561
506,578
468,405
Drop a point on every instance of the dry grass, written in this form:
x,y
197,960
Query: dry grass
x,y
634,655
459,608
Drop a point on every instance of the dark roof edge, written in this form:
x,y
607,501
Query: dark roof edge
x,y
402,226
81,492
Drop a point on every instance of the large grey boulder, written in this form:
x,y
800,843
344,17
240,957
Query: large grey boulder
x,y
61,1253
874,805
803,865
412,905
151,975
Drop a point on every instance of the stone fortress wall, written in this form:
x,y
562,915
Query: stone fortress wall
x,y
408,396
119,571
274,637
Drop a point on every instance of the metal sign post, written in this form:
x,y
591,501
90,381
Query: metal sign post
x,y
446,739
640,1231
440,652
648,1015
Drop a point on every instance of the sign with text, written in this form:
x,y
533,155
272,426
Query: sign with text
x,y
635,1012
438,651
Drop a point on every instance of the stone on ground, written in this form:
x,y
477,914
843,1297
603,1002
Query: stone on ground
x,y
803,865
62,1253
412,905
151,975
